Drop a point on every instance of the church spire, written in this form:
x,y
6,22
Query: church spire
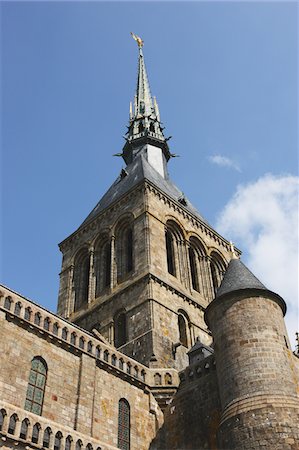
x,y
145,126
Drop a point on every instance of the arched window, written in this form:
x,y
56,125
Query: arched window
x,y
64,333
73,338
123,424
140,125
47,437
217,271
18,308
170,253
197,260
7,303
57,441
12,424
35,433
120,329
183,335
37,319
47,324
124,250
152,127
89,447
24,429
68,443
174,250
2,417
28,312
55,328
193,268
82,342
102,261
79,444
81,279
36,386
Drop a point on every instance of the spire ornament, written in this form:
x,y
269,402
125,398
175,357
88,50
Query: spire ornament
x,y
232,250
137,39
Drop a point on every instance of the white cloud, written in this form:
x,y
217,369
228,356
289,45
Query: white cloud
x,y
262,219
223,161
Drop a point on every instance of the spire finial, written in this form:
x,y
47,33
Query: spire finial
x,y
137,39
233,252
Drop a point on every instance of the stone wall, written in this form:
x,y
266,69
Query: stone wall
x,y
192,418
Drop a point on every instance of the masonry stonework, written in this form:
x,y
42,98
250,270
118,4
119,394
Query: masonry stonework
x,y
162,340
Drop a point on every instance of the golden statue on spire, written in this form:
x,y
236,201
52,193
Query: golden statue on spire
x,y
137,39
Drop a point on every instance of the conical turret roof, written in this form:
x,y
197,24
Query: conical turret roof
x,y
237,277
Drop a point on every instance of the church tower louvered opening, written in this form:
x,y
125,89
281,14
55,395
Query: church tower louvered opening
x,y
144,265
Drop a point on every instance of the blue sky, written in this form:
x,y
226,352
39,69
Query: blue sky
x,y
225,77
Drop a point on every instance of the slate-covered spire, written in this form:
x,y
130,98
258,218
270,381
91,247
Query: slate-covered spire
x,y
145,126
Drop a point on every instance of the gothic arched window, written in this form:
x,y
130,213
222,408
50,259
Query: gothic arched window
x,y
24,429
47,437
68,443
12,424
35,433
2,417
174,252
217,271
120,329
183,324
193,268
36,386
124,250
81,279
102,265
57,441
123,424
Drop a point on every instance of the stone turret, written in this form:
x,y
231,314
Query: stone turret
x,y
255,368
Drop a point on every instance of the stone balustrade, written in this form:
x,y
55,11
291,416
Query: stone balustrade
x,y
81,341
30,430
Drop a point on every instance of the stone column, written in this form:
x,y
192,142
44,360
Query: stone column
x,y
70,292
112,263
91,285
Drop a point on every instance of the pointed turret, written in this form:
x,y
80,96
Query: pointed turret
x,y
145,133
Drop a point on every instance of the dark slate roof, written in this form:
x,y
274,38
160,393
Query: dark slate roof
x,y
199,345
132,175
237,277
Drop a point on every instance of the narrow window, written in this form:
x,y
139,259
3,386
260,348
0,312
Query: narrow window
x,y
12,424
36,386
120,331
129,368
24,429
170,253
18,308
106,355
81,343
121,364
7,303
47,324
113,360
152,127
73,338
129,250
79,444
68,443
182,330
89,347
64,334
107,264
123,425
98,352
57,441
35,433
214,277
81,279
89,447
157,379
27,315
2,415
37,319
46,438
193,268
55,329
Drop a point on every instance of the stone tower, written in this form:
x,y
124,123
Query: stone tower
x,y
255,366
144,265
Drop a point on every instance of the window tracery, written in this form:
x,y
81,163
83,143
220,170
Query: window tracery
x,y
36,386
